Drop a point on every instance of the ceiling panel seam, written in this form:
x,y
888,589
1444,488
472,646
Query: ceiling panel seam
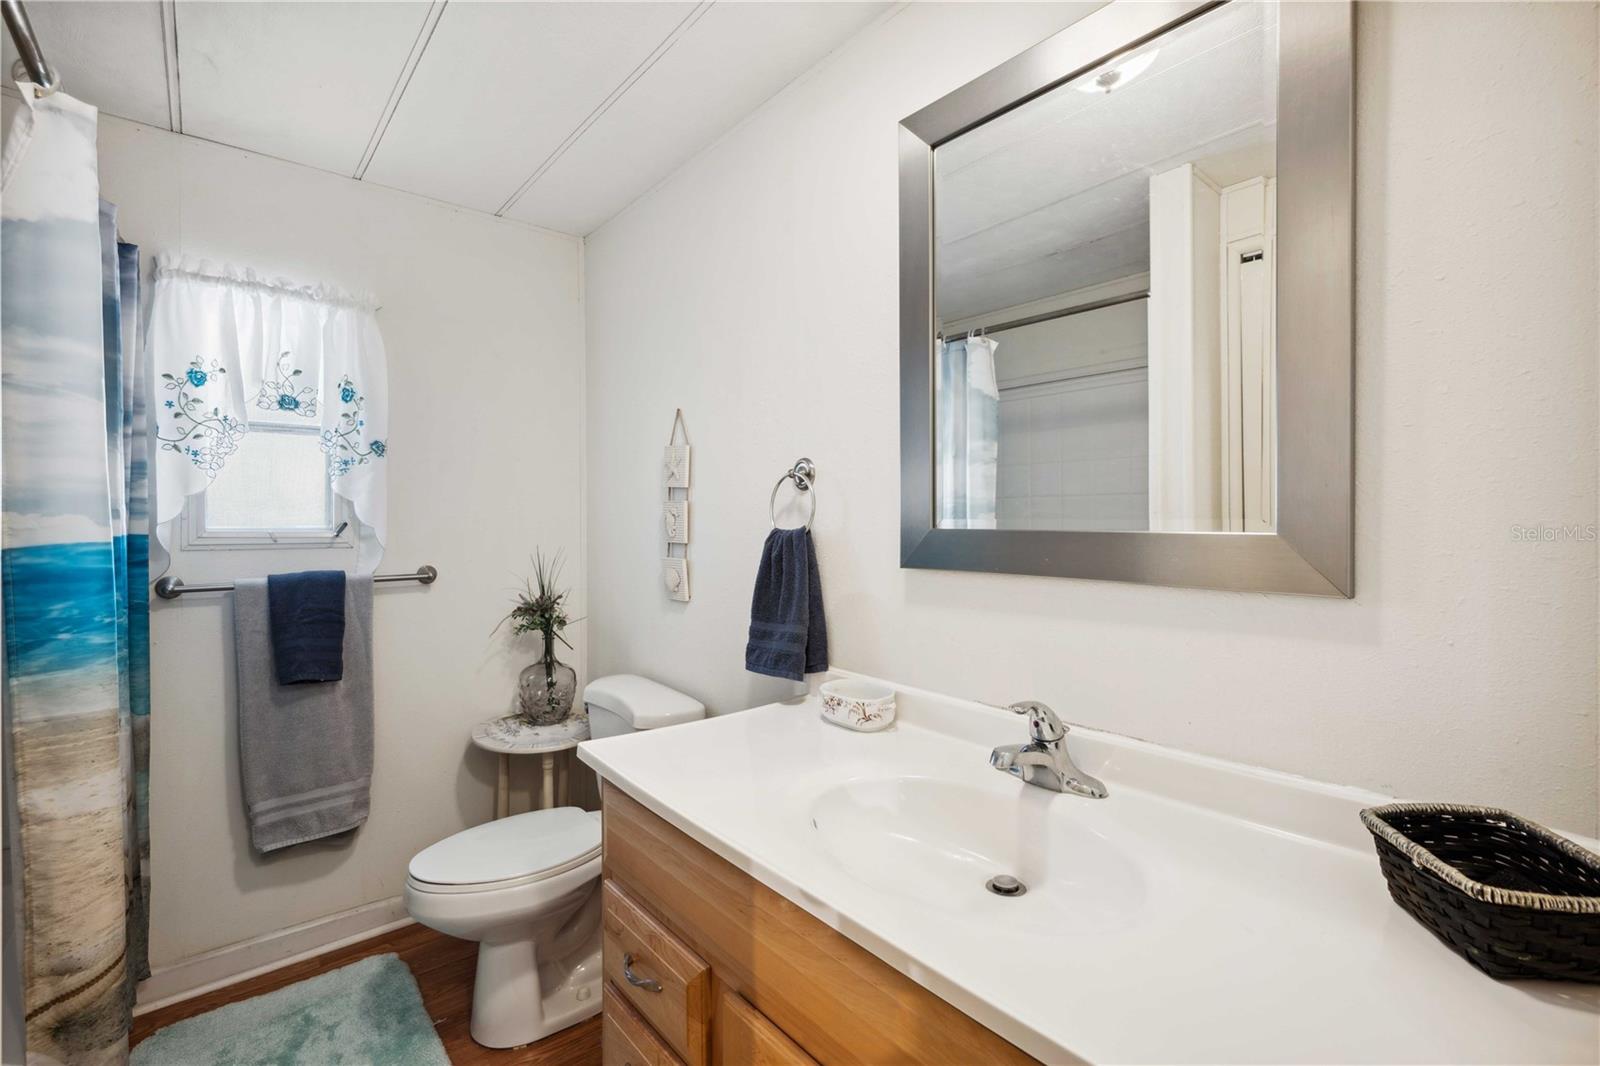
x,y
430,22
605,105
342,176
169,46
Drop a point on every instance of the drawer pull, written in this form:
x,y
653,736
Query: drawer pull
x,y
637,982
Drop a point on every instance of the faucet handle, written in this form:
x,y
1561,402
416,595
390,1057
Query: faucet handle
x,y
1043,725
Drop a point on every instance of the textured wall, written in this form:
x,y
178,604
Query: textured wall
x,y
757,289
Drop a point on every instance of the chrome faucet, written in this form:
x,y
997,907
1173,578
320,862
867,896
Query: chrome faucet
x,y
1043,760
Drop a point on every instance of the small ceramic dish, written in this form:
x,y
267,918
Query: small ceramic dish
x,y
865,706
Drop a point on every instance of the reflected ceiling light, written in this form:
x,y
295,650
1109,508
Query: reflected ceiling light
x,y
1116,75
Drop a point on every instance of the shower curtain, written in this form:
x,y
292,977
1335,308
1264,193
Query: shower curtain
x,y
74,566
967,443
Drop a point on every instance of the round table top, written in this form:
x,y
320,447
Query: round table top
x,y
513,735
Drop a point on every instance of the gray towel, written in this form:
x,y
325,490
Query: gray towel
x,y
305,751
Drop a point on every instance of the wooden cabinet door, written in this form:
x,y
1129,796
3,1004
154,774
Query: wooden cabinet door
x,y
745,1037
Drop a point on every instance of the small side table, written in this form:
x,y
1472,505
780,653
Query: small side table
x,y
513,735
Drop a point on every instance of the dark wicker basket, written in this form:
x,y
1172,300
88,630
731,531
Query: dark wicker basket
x,y
1509,896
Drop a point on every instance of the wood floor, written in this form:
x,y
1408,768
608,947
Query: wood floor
x,y
443,967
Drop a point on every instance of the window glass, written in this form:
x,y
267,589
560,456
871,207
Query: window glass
x,y
277,480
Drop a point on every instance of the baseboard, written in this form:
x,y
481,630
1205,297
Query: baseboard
x,y
236,962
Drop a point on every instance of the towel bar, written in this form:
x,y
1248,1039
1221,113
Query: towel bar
x,y
170,588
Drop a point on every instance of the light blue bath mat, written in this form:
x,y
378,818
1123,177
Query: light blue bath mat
x,y
366,1014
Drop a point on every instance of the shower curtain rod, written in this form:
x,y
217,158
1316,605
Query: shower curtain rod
x,y
31,55
1065,312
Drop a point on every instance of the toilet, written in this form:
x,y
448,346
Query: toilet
x,y
526,888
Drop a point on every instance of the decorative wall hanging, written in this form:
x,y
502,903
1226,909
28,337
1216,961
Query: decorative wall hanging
x,y
675,460
227,345
675,510
675,518
675,574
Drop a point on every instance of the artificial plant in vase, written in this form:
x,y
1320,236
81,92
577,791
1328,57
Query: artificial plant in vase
x,y
545,689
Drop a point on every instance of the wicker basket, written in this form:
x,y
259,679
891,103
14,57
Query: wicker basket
x,y
1511,897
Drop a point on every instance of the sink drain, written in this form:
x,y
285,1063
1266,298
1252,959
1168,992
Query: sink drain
x,y
1005,885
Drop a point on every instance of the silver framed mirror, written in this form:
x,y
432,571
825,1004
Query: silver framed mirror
x,y
1126,304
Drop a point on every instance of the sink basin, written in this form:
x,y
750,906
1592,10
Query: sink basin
x,y
939,842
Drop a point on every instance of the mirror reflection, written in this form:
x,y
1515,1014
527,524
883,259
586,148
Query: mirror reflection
x,y
1105,343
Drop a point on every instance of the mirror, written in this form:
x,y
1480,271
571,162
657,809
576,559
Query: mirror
x,y
1126,300
1103,294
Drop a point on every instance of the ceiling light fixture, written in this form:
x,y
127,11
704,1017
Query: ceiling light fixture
x,y
1116,75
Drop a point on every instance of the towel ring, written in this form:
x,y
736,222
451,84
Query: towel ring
x,y
803,473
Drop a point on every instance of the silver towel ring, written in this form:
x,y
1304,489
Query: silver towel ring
x,y
803,474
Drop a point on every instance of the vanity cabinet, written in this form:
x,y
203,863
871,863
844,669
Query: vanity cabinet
x,y
706,965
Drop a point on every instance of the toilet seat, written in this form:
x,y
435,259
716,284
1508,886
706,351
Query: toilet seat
x,y
508,853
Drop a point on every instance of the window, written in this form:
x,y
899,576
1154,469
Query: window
x,y
250,376
273,492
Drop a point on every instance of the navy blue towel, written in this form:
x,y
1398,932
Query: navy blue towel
x,y
307,615
788,633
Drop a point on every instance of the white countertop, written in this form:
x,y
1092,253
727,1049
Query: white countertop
x,y
1203,912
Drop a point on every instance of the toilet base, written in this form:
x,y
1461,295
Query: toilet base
x,y
519,999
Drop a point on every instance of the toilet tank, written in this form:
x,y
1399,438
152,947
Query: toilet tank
x,y
627,703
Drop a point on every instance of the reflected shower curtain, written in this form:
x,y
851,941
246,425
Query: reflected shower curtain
x,y
967,433
74,563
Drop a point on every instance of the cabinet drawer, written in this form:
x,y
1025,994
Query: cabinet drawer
x,y
746,1038
657,974
625,1038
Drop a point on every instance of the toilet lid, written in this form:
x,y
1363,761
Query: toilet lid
x,y
512,848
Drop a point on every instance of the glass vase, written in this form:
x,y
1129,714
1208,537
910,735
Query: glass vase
x,y
545,689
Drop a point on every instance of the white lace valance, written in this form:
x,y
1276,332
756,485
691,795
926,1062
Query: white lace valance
x,y
226,343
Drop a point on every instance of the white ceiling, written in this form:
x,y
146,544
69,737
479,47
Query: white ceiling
x,y
558,114
1055,196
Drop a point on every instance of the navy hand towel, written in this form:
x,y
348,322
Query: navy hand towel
x,y
307,615
788,633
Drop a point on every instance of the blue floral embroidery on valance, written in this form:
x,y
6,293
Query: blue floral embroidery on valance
x,y
344,446
205,437
281,394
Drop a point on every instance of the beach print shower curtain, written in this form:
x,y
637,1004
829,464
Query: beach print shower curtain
x,y
74,561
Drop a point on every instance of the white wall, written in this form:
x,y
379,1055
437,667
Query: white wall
x,y
483,324
757,289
